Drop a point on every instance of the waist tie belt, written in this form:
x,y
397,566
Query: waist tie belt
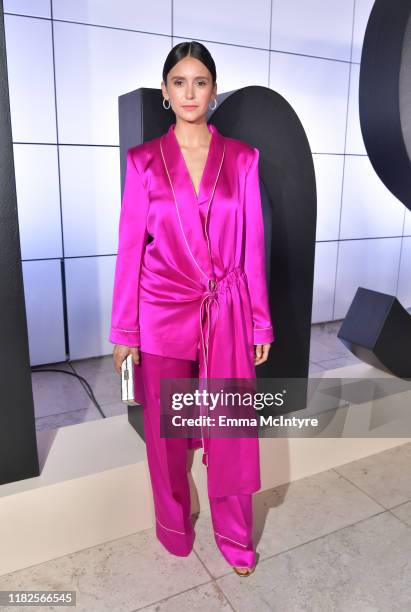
x,y
215,288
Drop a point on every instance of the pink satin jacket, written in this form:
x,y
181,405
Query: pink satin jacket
x,y
197,242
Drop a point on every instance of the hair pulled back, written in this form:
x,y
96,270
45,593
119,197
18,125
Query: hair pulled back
x,y
194,49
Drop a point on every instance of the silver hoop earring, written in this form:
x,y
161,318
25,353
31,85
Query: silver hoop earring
x,y
213,107
169,104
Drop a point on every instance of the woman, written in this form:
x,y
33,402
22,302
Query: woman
x,y
193,300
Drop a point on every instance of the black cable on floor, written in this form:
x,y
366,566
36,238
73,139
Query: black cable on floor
x,y
88,389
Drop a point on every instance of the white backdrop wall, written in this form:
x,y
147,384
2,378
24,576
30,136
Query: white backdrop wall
x,y
69,60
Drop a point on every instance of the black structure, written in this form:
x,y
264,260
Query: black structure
x,y
377,328
385,95
263,118
18,448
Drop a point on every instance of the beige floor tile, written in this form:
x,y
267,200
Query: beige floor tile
x,y
314,368
114,409
206,598
362,568
403,512
339,362
101,376
311,507
123,575
385,476
56,392
320,351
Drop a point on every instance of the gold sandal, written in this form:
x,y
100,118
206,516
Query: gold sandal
x,y
247,573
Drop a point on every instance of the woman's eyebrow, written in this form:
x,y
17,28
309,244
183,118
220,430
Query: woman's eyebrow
x,y
196,77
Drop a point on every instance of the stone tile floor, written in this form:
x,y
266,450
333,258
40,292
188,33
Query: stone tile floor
x,y
336,541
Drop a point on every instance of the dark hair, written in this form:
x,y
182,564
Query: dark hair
x,y
194,49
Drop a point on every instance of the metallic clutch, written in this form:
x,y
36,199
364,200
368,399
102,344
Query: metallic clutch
x,y
127,382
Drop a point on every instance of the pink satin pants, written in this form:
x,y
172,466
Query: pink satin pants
x,y
232,516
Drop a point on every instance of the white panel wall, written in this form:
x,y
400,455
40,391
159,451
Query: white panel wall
x,y
372,264
228,21
43,296
362,13
328,175
38,201
355,142
90,195
407,224
31,80
127,14
317,89
369,209
36,8
313,27
404,284
324,281
67,68
95,66
89,283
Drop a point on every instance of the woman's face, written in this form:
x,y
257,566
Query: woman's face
x,y
189,83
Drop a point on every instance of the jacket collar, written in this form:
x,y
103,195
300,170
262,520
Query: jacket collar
x,y
186,201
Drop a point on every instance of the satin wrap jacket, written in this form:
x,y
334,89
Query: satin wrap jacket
x,y
190,278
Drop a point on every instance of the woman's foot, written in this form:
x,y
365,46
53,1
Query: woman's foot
x,y
244,571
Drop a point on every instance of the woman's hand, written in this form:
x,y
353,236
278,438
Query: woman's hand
x,y
121,352
261,353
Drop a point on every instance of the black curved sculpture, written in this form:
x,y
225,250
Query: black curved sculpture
x,y
377,329
385,95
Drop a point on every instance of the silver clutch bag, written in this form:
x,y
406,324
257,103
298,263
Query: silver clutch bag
x,y
127,382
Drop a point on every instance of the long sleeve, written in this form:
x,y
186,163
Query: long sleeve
x,y
254,260
132,238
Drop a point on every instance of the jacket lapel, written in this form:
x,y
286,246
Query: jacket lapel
x,y
186,201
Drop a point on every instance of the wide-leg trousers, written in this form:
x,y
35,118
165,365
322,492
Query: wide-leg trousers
x,y
232,516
